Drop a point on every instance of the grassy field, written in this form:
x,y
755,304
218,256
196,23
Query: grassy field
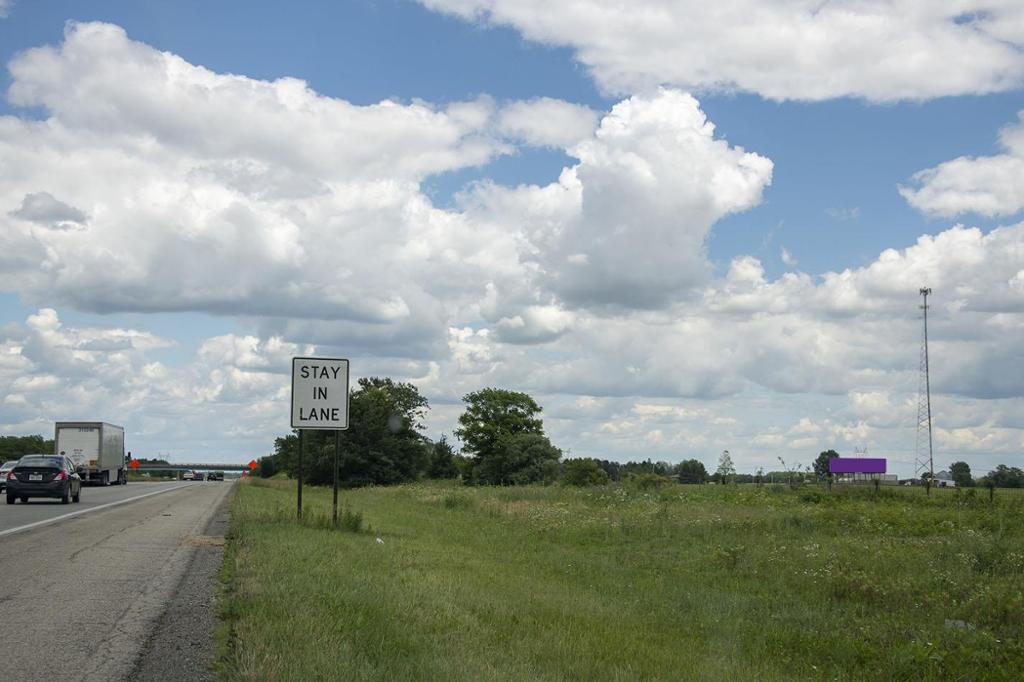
x,y
616,583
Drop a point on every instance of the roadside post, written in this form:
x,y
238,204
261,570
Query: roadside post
x,y
319,401
334,503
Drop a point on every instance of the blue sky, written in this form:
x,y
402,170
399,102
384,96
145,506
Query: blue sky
x,y
841,141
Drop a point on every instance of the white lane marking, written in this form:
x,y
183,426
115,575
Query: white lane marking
x,y
11,531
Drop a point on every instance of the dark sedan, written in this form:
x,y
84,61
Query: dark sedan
x,y
44,476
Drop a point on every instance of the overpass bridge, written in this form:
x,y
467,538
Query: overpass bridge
x,y
191,467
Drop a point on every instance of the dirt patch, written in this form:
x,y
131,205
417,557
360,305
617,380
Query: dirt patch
x,y
206,540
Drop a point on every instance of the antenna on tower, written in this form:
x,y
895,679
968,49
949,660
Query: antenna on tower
x,y
924,461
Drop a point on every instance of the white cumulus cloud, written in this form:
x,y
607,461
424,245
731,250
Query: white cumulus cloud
x,y
781,49
626,225
547,122
986,185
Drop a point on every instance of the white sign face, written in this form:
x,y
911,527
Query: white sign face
x,y
319,393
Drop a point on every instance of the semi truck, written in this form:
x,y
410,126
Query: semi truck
x,y
96,447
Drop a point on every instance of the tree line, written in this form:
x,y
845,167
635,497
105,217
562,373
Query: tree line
x,y
502,436
503,443
15,447
501,431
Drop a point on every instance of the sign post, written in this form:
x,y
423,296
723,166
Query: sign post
x,y
319,401
334,504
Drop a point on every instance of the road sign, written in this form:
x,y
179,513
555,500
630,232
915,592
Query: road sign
x,y
319,393
252,465
134,464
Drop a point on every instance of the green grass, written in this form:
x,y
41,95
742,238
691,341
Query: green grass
x,y
546,583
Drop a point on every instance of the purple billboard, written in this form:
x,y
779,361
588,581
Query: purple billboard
x,y
856,465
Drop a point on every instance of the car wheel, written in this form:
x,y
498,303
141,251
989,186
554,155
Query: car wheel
x,y
66,497
10,499
24,499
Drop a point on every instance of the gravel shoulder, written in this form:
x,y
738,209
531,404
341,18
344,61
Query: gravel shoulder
x,y
181,646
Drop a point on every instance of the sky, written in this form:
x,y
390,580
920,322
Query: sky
x,y
682,228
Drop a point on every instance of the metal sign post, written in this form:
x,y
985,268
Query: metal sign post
x,y
319,401
334,506
299,498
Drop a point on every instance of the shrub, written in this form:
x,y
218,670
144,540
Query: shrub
x,y
729,557
583,472
454,501
811,495
648,481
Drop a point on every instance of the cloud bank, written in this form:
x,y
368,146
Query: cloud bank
x,y
154,185
878,50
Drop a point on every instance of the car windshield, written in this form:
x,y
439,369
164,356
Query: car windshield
x,y
7,466
39,461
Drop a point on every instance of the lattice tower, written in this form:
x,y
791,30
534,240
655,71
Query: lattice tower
x,y
924,461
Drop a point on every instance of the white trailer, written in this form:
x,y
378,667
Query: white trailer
x,y
97,447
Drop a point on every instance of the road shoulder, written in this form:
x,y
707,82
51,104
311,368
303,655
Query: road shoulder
x,y
181,646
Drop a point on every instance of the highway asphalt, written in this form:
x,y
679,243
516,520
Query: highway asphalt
x,y
81,595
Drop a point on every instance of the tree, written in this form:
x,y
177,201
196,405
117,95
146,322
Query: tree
x,y
821,468
494,414
1006,477
442,460
961,472
520,459
583,472
725,470
691,471
384,443
644,467
502,431
16,447
464,467
266,467
794,475
613,469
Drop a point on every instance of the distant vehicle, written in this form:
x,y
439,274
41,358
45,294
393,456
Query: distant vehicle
x,y
4,470
199,475
96,446
188,476
217,476
44,476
